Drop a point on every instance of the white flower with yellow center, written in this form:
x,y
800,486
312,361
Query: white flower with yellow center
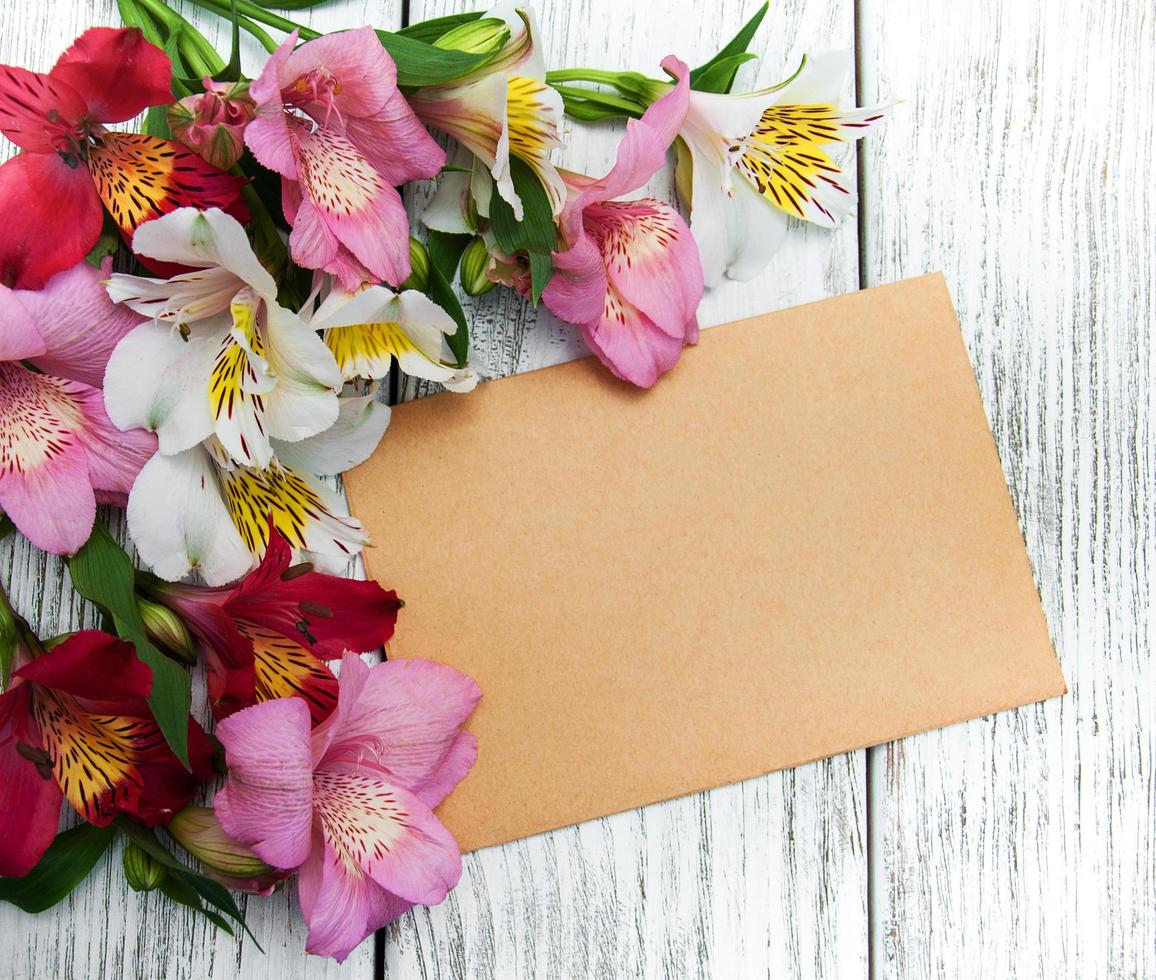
x,y
747,163
199,511
369,329
503,109
220,358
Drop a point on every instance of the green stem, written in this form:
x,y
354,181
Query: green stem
x,y
583,75
259,14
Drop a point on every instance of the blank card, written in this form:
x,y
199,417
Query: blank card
x,y
799,543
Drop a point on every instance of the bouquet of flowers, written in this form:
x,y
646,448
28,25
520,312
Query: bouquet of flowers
x,y
196,315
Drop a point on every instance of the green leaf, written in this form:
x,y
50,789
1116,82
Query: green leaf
x,y
194,889
420,64
103,573
430,30
721,82
444,252
232,71
536,234
64,865
720,76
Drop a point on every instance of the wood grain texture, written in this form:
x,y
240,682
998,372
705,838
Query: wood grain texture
x,y
767,878
1022,845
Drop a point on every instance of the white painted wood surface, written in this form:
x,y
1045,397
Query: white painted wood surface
x,y
1018,846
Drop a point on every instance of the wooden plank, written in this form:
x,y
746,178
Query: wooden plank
x,y
767,878
104,929
1021,845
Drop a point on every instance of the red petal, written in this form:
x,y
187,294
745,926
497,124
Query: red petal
x,y
30,803
167,785
91,665
141,177
36,110
363,613
118,73
52,218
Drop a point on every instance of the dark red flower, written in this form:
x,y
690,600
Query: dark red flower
x,y
52,193
268,635
75,725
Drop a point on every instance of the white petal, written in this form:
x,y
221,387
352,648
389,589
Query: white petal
x,y
361,422
755,231
304,401
185,298
202,239
179,521
155,380
821,80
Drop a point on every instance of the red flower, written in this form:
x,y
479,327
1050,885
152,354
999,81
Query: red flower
x,y
269,635
51,194
75,725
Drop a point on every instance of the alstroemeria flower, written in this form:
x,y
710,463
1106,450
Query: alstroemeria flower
x,y
332,122
51,194
75,725
350,803
248,372
59,453
503,109
368,329
269,635
630,276
748,162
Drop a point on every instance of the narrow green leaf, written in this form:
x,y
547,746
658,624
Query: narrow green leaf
x,y
64,865
192,882
444,252
419,63
737,45
536,234
103,573
430,30
720,76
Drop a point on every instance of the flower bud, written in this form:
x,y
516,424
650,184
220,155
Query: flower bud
x,y
142,871
418,267
474,267
212,125
482,36
167,630
196,829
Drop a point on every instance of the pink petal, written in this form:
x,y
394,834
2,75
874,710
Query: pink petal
x,y
267,800
576,291
403,717
19,338
396,143
365,74
118,73
79,323
388,833
651,258
30,803
44,480
354,203
268,134
26,100
52,218
341,904
631,345
114,457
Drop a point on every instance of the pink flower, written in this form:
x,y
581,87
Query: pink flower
x,y
350,804
331,121
213,123
59,453
630,277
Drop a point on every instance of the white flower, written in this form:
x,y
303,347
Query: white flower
x,y
747,162
503,109
367,329
221,357
198,510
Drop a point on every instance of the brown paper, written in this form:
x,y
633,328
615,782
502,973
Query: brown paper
x,y
798,543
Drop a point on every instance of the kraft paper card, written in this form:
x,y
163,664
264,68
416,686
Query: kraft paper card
x,y
798,543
